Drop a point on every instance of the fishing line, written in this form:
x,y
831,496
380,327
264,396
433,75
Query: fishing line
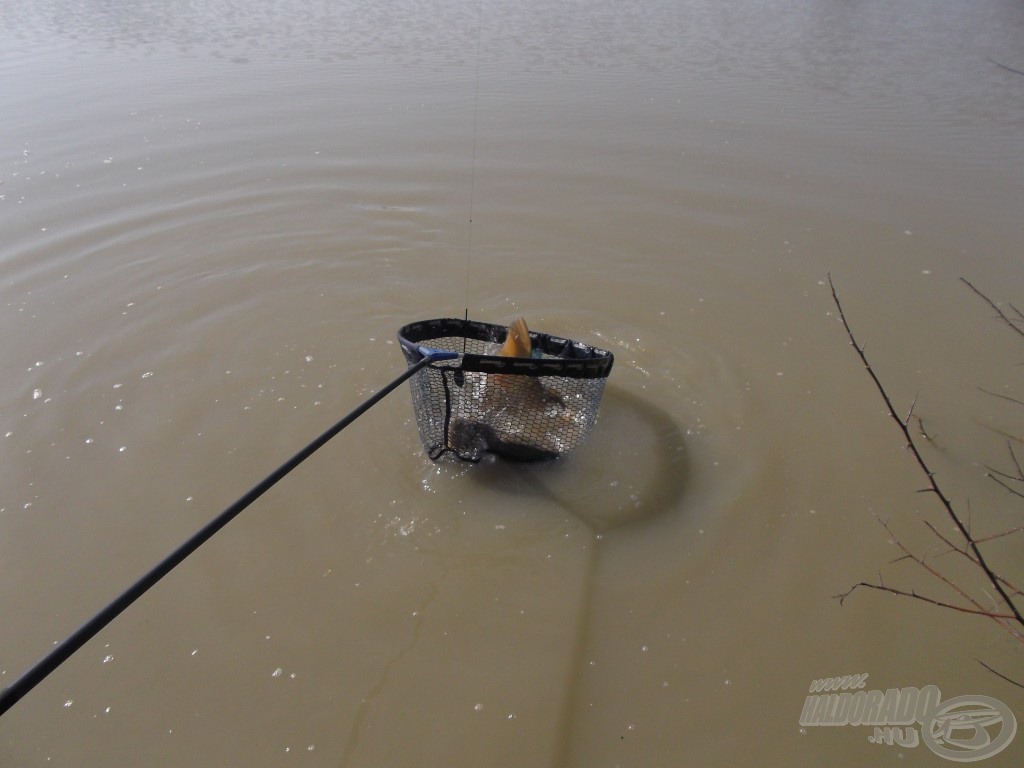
x,y
472,168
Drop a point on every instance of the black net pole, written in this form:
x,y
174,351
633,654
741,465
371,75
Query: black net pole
x,y
63,650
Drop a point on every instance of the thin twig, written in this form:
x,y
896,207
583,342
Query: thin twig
x,y
994,471
934,572
1003,433
1012,490
1002,397
1016,463
989,301
910,413
999,674
993,536
923,431
924,598
953,548
1008,69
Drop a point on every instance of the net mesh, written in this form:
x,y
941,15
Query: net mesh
x,y
520,408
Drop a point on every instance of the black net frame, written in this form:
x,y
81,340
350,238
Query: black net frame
x,y
526,409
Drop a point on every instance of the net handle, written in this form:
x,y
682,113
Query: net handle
x,y
10,695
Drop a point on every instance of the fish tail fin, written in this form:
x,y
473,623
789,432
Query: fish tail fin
x,y
517,342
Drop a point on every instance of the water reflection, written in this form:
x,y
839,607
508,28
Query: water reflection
x,y
632,470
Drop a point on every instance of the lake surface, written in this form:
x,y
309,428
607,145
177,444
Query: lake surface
x,y
216,216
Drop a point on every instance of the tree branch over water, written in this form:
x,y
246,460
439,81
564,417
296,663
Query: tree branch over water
x,y
1003,610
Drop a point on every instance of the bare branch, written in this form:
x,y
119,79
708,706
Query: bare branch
x,y
933,571
925,599
922,464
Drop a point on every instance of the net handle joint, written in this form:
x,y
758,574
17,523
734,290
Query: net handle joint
x,y
437,354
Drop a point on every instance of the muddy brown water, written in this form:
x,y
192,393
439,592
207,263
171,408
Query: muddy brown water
x,y
216,216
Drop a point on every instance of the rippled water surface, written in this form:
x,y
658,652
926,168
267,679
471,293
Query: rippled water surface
x,y
215,217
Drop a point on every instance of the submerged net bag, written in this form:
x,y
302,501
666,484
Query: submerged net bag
x,y
520,408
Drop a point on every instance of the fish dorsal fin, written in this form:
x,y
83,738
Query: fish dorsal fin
x,y
517,342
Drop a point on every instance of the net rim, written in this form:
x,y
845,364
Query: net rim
x,y
571,359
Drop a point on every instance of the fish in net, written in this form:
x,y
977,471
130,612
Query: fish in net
x,y
512,392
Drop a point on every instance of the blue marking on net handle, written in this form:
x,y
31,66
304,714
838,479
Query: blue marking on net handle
x,y
437,354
